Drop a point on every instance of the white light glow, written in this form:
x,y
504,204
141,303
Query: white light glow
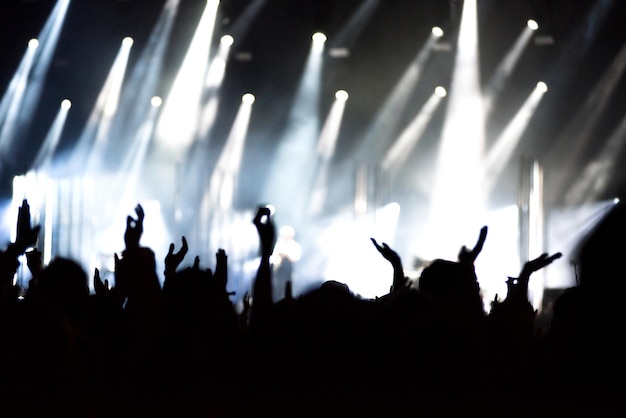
x,y
127,42
248,98
440,91
532,25
66,104
33,43
341,95
319,37
227,40
156,101
437,32
542,87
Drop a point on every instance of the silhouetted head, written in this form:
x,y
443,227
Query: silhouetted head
x,y
454,283
64,285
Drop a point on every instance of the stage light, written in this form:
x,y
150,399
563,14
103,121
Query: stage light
x,y
248,98
615,200
532,25
33,43
341,95
437,32
319,37
227,40
127,42
542,87
66,104
440,91
156,101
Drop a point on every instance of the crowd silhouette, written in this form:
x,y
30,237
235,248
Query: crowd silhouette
x,y
431,348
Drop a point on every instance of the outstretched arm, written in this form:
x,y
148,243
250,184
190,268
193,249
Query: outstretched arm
x,y
262,289
399,279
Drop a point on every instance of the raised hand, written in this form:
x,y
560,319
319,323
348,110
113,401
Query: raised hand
x,y
267,231
262,288
26,235
173,259
101,288
467,256
399,279
134,228
221,268
34,262
536,264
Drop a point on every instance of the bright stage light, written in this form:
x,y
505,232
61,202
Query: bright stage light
x,y
248,98
156,101
227,40
341,95
33,43
542,87
440,91
615,200
127,42
532,25
66,104
319,37
437,32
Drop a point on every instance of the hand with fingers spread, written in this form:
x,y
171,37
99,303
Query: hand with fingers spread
x,y
399,279
134,228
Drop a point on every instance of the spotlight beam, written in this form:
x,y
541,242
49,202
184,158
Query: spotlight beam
x,y
456,202
106,108
326,145
15,97
598,172
176,128
398,153
291,174
505,68
143,82
573,139
49,145
501,151
352,30
389,114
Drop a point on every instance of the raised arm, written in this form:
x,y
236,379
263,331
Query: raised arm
x,y
399,279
